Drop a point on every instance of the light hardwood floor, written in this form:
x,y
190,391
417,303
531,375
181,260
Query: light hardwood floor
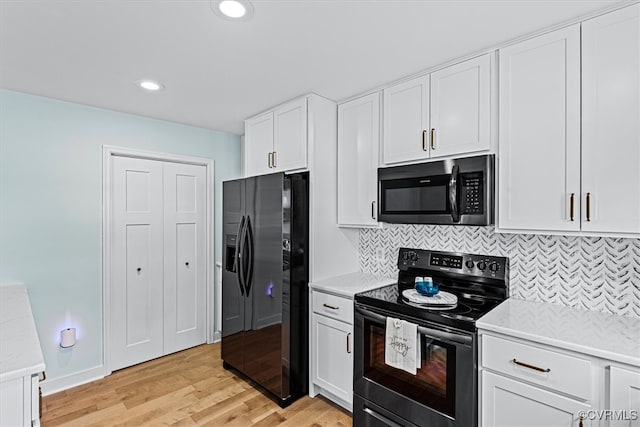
x,y
183,389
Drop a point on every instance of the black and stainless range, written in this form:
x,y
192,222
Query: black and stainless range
x,y
444,390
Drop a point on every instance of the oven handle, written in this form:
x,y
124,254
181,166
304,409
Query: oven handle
x,y
428,332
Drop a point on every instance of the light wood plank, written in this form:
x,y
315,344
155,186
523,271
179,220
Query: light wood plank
x,y
189,388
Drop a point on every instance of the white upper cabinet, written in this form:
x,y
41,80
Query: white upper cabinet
x,y
460,108
611,122
443,114
358,147
258,144
406,120
290,136
570,129
277,140
539,131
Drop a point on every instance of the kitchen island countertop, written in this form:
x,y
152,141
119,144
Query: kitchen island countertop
x,y
20,352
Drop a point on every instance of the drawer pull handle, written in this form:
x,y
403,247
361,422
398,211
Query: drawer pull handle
x,y
526,365
332,307
348,348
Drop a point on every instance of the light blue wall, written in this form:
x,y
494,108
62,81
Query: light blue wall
x,y
51,208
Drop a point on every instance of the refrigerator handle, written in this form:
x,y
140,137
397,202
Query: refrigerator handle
x,y
249,235
239,255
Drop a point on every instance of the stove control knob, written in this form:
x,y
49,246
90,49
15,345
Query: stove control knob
x,y
413,256
469,263
405,256
481,265
494,266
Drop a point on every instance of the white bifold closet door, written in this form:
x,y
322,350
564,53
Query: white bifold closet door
x,y
158,276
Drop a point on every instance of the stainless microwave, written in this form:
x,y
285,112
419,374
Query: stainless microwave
x,y
451,191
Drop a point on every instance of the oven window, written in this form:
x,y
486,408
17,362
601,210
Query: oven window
x,y
434,383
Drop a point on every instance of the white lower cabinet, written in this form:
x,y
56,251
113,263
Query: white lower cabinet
x,y
624,396
20,401
332,348
510,403
528,384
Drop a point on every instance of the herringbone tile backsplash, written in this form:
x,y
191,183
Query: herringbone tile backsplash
x,y
594,273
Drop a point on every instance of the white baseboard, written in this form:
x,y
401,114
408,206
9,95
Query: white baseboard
x,y
217,336
55,385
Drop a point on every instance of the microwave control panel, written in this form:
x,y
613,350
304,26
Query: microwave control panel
x,y
471,194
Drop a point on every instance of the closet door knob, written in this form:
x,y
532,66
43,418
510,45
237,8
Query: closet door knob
x,y
139,269
187,263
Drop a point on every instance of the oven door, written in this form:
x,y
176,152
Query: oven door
x,y
442,393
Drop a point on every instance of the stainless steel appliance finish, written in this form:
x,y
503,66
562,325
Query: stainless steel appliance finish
x,y
452,191
443,393
265,282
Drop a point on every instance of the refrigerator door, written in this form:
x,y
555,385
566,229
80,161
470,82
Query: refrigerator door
x,y
233,301
263,309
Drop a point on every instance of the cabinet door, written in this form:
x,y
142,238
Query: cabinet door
x,y
539,161
358,147
509,403
611,122
460,108
624,395
258,144
332,347
13,411
290,136
406,121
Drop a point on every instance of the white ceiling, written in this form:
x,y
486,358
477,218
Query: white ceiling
x,y
218,72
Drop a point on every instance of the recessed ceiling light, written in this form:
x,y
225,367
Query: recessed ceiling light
x,y
150,85
233,10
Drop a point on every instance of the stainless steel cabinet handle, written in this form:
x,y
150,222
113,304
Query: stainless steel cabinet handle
x,y
424,140
571,206
332,307
526,365
269,160
588,207
433,139
373,210
348,348
274,160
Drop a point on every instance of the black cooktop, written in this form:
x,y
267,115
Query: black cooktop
x,y
478,288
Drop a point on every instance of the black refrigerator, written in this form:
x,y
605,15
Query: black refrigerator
x,y
265,282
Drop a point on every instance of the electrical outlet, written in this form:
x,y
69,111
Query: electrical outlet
x,y
379,255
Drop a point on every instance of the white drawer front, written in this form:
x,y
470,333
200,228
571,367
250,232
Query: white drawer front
x,y
557,371
333,306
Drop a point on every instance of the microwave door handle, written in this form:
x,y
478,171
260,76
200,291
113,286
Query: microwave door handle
x,y
453,193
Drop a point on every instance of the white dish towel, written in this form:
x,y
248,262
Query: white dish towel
x,y
402,349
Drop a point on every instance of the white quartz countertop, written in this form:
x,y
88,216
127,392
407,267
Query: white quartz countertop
x,y
608,336
20,352
350,284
